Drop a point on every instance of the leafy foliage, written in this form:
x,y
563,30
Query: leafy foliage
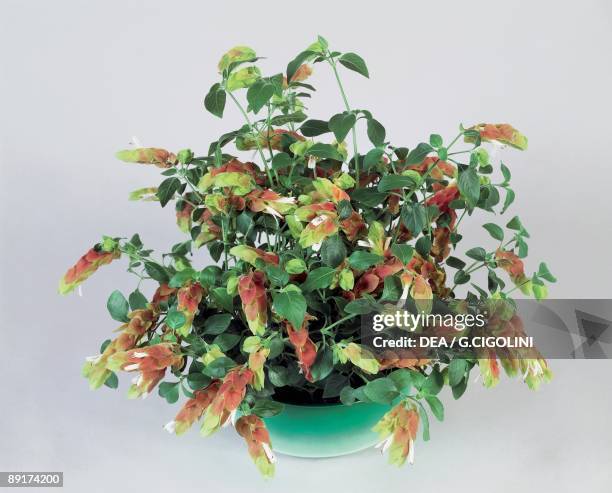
x,y
304,241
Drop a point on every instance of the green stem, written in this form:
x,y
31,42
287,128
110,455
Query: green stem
x,y
332,63
248,120
342,320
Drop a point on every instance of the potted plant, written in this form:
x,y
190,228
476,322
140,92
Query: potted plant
x,y
307,238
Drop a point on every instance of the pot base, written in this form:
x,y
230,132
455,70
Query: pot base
x,y
325,430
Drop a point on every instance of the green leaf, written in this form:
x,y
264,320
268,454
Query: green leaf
x,y
394,182
259,94
433,383
418,154
381,390
333,251
277,275
545,273
509,199
376,132
104,345
341,125
219,367
354,62
392,289
495,231
197,381
402,379
112,382
222,299
461,277
455,263
459,389
368,197
118,306
281,160
276,346
414,217
373,157
156,272
456,371
403,252
209,276
244,223
506,172
277,375
290,305
296,117
181,277
169,391
436,406
266,408
137,300
345,209
361,260
435,140
227,341
424,422
477,253
215,100
167,189
313,128
423,246
175,319
334,385
361,306
514,223
216,324
347,396
323,365
318,279
469,186
324,151
492,197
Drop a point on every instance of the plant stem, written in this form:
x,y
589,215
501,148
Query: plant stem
x,y
248,120
342,320
332,63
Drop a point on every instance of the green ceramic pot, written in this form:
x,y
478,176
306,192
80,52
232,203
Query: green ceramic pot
x,y
327,430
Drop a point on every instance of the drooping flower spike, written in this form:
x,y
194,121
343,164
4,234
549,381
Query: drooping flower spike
x,y
227,399
193,409
489,369
515,268
305,348
258,355
96,369
252,291
254,432
150,361
148,155
398,430
499,132
101,254
188,297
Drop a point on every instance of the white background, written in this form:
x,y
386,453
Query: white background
x,y
79,79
